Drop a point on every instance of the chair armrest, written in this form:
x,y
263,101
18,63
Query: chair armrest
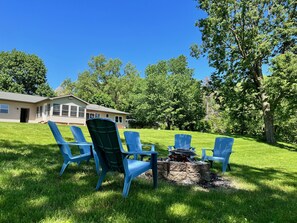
x,y
141,153
207,149
76,144
204,153
150,145
171,148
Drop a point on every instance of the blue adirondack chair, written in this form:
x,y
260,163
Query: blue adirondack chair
x,y
112,157
65,148
182,141
221,152
134,144
80,138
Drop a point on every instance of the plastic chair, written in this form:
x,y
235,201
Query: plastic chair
x,y
182,141
112,157
80,138
65,148
221,152
134,144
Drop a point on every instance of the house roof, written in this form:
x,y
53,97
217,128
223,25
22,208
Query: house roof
x,y
21,97
101,108
69,95
35,99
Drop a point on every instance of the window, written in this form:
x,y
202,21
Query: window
x,y
48,109
4,108
65,110
56,109
37,111
91,115
40,110
118,119
97,115
73,111
107,115
81,112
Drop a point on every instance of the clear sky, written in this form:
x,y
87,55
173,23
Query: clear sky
x,y
65,34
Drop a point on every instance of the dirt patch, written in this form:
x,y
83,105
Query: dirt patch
x,y
216,181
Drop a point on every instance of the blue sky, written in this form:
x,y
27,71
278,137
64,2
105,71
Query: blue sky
x,y
66,34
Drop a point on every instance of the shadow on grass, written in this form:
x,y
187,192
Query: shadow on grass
x,y
31,191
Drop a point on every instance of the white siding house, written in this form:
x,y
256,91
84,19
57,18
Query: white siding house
x,y
66,109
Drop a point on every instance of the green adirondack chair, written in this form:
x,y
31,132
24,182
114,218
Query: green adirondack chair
x,y
112,157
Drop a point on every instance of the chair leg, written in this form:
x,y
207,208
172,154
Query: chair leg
x,y
127,185
97,163
155,169
65,164
103,174
229,167
224,167
211,162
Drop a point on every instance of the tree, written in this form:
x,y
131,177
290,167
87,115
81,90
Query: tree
x,y
282,88
105,83
23,73
239,37
172,95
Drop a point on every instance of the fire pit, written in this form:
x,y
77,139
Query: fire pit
x,y
182,155
182,168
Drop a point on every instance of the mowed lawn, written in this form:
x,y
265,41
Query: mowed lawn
x,y
264,179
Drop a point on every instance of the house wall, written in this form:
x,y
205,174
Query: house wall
x,y
111,116
14,111
35,116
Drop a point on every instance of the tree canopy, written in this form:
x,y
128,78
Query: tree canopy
x,y
239,37
23,73
167,95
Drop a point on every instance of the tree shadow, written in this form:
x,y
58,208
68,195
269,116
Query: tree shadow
x,y
32,191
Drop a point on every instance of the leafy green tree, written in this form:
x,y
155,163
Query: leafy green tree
x,y
105,83
23,73
67,87
282,88
172,95
239,37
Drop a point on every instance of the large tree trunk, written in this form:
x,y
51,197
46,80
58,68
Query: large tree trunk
x,y
267,113
268,120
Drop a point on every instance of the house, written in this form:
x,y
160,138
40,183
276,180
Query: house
x,y
67,109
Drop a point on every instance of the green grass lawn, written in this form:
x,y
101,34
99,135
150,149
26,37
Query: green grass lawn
x,y
265,179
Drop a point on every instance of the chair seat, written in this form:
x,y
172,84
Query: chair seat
x,y
215,158
137,167
81,157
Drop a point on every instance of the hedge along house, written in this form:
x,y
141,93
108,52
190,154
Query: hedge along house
x,y
66,109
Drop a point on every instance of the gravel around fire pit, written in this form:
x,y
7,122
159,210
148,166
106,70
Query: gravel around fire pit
x,y
216,181
190,173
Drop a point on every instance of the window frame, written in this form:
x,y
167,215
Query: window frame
x,y
118,119
55,111
4,109
81,111
73,113
65,110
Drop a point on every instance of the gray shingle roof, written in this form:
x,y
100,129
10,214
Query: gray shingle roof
x,y
21,97
104,109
